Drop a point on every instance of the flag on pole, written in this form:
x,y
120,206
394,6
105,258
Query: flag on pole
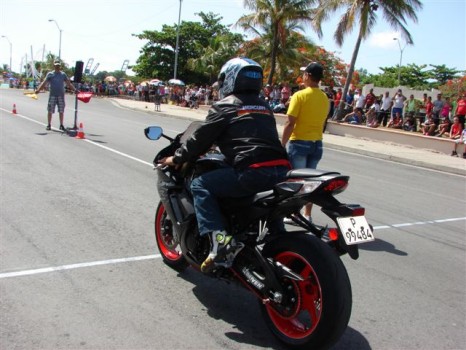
x,y
84,96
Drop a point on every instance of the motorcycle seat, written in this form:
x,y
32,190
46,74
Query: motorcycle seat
x,y
309,173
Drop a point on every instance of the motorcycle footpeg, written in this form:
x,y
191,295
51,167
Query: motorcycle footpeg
x,y
229,256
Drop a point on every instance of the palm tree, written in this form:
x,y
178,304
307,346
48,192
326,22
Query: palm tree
x,y
364,12
292,51
276,14
214,55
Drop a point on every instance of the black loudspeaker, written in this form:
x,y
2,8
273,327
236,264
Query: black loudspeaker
x,y
78,71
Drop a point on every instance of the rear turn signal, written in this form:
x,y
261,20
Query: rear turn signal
x,y
333,234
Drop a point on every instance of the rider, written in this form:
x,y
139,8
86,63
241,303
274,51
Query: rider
x,y
243,127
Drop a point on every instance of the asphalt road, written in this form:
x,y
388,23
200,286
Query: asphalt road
x,y
80,267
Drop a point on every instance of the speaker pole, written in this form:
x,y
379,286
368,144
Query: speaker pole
x,y
75,126
78,74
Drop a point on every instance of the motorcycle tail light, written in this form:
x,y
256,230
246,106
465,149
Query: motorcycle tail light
x,y
333,234
336,186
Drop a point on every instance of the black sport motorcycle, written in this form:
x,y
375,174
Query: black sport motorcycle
x,y
302,286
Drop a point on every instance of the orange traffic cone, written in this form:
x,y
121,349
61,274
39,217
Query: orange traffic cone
x,y
80,134
14,108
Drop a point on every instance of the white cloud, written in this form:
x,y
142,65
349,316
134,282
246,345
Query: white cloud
x,y
384,40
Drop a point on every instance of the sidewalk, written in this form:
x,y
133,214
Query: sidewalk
x,y
382,150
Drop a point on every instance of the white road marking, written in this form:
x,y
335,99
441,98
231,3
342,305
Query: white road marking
x,y
118,152
440,221
77,266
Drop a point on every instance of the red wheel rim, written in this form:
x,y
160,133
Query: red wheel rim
x,y
164,236
308,311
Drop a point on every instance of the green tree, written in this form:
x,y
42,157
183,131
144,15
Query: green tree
x,y
363,74
364,14
293,51
412,75
43,67
219,50
296,51
442,74
158,54
274,16
388,79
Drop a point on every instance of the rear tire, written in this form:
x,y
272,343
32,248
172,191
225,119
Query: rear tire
x,y
318,308
168,247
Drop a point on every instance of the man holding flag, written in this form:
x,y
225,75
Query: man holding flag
x,y
56,80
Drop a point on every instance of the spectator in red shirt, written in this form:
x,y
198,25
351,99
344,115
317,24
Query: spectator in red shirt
x,y
456,129
286,92
429,107
370,99
338,97
461,109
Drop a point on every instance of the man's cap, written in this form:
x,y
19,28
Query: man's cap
x,y
315,69
57,63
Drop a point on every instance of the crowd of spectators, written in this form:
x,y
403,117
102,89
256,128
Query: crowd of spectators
x,y
441,117
431,118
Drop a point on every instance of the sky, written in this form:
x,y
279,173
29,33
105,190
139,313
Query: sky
x,y
102,30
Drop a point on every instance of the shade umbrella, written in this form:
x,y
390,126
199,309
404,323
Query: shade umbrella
x,y
110,78
176,82
156,82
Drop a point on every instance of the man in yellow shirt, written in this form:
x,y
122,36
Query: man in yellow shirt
x,y
306,118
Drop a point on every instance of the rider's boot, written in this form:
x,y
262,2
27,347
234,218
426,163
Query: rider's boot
x,y
221,244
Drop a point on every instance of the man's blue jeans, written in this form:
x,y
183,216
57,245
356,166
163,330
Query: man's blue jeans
x,y
305,154
229,182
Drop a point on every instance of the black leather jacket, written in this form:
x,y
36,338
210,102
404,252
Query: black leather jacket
x,y
244,129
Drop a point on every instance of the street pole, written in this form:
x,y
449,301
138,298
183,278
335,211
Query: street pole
x,y
401,57
177,41
11,50
59,43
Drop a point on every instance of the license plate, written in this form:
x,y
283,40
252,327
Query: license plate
x,y
355,230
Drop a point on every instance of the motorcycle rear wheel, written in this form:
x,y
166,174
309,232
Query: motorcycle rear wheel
x,y
317,309
168,247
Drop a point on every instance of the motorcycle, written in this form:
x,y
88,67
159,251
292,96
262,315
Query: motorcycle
x,y
301,284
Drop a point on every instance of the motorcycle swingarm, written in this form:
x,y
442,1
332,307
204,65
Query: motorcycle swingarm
x,y
275,272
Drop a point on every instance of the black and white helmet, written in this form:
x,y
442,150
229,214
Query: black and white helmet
x,y
240,74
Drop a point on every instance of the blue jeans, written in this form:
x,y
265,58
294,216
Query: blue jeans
x,y
305,154
229,182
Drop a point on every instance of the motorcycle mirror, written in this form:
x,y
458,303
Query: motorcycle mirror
x,y
153,132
